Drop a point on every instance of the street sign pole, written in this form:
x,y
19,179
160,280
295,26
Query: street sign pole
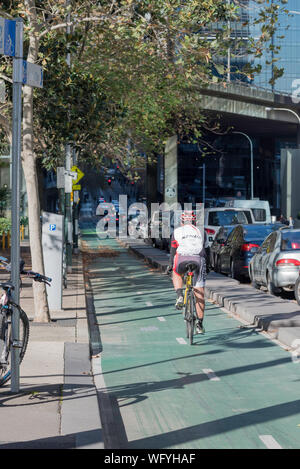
x,y
68,203
68,209
15,202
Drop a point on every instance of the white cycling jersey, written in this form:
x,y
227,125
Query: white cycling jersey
x,y
188,240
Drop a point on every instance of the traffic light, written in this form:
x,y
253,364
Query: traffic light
x,y
109,182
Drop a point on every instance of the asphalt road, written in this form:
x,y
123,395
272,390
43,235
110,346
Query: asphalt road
x,y
234,388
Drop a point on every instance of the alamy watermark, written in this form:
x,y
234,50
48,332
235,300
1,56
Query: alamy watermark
x,y
136,221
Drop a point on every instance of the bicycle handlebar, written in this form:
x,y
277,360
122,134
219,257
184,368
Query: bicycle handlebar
x,y
37,277
29,273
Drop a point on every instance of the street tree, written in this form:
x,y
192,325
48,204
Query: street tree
x,y
136,68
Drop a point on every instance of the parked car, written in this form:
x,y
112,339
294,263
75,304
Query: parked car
x,y
137,226
105,208
217,244
239,248
276,263
216,217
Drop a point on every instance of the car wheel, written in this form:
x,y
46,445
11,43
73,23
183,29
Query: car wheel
x,y
253,281
233,274
271,287
297,290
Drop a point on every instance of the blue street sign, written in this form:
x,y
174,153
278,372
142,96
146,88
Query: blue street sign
x,y
52,227
7,37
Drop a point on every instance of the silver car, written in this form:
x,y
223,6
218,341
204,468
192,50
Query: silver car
x,y
276,263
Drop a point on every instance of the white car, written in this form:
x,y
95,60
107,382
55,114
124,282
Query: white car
x,y
216,217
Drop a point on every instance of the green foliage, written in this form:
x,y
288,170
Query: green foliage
x,y
136,68
24,221
5,225
4,198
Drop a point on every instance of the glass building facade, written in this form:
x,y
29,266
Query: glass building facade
x,y
287,37
228,167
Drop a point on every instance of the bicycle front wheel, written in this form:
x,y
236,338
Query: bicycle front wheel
x,y
189,317
6,337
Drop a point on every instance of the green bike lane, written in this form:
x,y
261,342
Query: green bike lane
x,y
234,388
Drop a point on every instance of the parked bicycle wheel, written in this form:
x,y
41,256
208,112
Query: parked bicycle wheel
x,y
6,341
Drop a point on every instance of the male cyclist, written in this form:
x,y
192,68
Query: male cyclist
x,y
187,245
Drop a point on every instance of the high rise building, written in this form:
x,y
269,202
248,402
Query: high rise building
x,y
287,38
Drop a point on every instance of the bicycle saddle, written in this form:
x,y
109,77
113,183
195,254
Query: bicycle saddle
x,y
7,285
191,267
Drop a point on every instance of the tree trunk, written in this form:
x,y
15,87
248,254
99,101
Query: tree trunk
x,y
41,308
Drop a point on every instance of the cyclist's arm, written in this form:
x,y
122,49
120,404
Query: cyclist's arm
x,y
173,249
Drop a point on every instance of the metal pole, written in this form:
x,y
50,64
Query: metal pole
x,y
229,50
203,184
251,155
75,211
68,204
268,109
68,208
15,202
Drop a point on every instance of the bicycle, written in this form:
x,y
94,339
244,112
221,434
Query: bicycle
x,y
190,315
6,311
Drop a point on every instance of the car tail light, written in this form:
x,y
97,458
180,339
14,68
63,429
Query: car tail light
x,y
248,246
291,262
209,231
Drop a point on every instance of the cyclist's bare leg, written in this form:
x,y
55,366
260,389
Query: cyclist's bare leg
x,y
177,281
200,301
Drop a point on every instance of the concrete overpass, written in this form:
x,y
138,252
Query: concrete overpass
x,y
245,108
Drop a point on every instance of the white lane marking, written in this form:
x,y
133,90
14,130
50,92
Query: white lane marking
x,y
148,303
270,442
211,375
149,329
180,340
160,318
139,292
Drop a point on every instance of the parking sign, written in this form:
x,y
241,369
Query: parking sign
x,y
7,37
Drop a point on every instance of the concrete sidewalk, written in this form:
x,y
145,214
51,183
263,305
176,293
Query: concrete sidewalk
x,y
275,315
57,406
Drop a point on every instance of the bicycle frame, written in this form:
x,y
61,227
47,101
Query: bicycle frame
x,y
5,310
188,285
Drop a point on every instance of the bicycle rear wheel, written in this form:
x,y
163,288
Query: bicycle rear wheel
x,y
6,337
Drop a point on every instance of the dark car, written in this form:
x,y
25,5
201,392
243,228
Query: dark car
x,y
217,244
239,248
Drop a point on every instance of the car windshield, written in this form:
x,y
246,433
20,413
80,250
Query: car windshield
x,y
290,240
227,217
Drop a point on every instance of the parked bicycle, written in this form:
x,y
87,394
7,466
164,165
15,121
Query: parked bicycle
x,y
7,342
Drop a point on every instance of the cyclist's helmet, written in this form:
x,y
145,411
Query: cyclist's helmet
x,y
188,216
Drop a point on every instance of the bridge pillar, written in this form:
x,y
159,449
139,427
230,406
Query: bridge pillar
x,y
290,187
171,171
